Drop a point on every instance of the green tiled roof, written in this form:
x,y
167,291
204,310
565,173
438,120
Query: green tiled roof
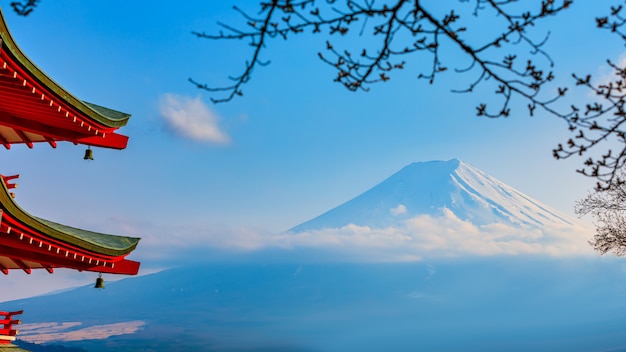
x,y
111,242
93,241
105,116
110,113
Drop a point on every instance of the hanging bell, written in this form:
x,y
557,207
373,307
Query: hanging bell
x,y
88,154
99,282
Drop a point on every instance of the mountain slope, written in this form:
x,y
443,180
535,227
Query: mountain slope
x,y
426,188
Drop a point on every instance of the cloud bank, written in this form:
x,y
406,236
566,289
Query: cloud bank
x,y
445,236
192,118
418,238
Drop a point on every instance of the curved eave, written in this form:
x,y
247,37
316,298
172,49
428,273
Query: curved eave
x,y
30,112
25,255
101,115
94,242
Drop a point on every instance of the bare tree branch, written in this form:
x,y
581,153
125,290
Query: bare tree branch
x,y
398,33
401,28
24,8
601,120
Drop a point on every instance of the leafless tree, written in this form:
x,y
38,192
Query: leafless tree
x,y
394,35
608,208
398,33
401,28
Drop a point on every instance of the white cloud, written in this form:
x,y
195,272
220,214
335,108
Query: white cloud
x,y
192,118
417,238
606,74
445,236
163,241
399,210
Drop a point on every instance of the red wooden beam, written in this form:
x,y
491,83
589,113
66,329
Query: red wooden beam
x,y
10,177
52,142
123,267
15,250
6,180
4,142
110,140
40,128
8,315
24,138
21,265
8,332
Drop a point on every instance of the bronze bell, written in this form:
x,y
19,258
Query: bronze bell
x,y
99,282
88,154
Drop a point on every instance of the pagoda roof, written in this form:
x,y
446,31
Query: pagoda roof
x,y
28,242
34,108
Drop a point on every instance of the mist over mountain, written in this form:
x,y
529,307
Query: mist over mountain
x,y
441,209
426,188
438,257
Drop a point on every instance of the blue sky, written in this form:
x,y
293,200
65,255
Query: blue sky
x,y
293,147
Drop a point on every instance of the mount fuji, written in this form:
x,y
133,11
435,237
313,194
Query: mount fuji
x,y
438,257
432,188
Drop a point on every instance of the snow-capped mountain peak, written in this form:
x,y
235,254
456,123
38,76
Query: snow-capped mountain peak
x,y
429,188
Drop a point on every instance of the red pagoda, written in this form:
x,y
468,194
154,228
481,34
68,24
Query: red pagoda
x,y
35,109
